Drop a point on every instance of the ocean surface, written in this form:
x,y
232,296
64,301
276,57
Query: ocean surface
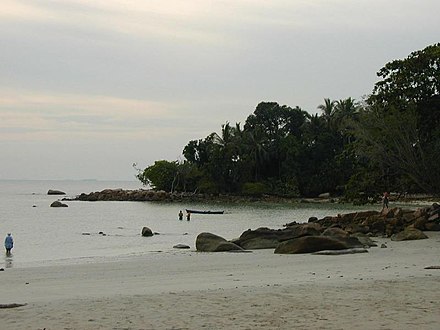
x,y
44,235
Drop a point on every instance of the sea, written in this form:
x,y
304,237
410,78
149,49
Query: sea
x,y
90,232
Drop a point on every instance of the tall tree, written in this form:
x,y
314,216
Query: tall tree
x,y
402,121
412,80
328,111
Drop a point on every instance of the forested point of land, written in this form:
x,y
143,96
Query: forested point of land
x,y
389,141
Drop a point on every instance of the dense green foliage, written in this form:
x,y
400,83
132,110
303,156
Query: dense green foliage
x,y
391,142
399,131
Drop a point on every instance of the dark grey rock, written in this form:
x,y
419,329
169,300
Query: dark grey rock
x,y
146,232
309,244
409,234
55,192
58,204
207,242
181,246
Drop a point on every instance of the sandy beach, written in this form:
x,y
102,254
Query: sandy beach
x,y
387,288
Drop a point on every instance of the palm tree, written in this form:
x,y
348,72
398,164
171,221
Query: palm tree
x,y
346,111
257,149
328,110
347,108
229,145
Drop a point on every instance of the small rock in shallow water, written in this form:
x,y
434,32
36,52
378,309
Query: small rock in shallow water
x,y
432,267
146,232
383,246
14,305
58,204
55,192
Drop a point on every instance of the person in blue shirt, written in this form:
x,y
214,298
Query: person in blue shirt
x,y
9,243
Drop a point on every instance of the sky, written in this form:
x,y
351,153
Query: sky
x,y
89,87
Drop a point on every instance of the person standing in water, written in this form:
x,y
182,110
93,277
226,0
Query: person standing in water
x,y
188,216
180,215
9,243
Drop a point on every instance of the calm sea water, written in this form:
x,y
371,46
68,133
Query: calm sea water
x,y
44,235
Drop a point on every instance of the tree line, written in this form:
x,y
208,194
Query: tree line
x,y
390,141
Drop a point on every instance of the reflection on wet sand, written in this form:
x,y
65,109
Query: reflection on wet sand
x,y
8,260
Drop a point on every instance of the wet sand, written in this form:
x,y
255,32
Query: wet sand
x,y
387,288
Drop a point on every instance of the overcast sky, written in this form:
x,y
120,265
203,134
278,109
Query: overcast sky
x,y
88,87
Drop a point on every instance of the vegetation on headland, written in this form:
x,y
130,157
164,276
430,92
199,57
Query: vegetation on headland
x,y
390,141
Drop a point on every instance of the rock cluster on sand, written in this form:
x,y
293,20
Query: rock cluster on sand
x,y
349,232
388,222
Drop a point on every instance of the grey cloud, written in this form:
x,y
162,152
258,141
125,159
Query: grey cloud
x,y
202,70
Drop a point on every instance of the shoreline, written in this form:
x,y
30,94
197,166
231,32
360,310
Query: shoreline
x,y
387,288
153,195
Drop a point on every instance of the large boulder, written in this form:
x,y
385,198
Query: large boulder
x,y
58,204
351,241
265,238
433,209
304,229
408,234
207,242
420,223
309,244
375,224
432,226
355,228
259,243
335,231
365,240
434,217
261,238
147,232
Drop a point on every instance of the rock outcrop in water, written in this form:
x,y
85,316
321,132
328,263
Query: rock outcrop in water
x,y
144,195
146,232
125,195
55,192
58,204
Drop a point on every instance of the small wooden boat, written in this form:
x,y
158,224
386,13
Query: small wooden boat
x,y
204,212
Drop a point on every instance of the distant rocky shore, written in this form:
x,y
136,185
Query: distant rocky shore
x,y
143,195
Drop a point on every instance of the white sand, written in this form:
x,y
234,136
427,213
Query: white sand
x,y
383,289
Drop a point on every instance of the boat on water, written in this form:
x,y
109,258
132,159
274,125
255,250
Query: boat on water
x,y
204,212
